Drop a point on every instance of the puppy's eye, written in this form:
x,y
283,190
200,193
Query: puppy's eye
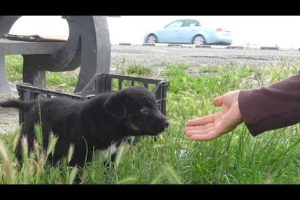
x,y
145,109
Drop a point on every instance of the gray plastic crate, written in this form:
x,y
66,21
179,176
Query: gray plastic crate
x,y
99,84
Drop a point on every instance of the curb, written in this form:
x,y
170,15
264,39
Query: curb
x,y
174,45
125,44
234,47
269,48
146,44
201,46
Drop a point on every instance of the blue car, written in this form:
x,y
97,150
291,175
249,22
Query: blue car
x,y
189,31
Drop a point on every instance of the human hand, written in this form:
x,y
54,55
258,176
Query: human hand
x,y
214,125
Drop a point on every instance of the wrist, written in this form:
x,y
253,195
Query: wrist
x,y
239,118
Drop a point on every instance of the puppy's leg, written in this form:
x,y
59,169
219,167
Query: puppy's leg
x,y
109,163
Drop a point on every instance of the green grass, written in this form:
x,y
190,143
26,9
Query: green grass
x,y
60,81
237,157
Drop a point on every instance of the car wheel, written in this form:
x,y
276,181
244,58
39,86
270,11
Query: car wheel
x,y
152,39
198,40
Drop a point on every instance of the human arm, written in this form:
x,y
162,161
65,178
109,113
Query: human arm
x,y
262,109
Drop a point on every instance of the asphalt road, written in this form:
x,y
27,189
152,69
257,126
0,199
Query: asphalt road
x,y
156,56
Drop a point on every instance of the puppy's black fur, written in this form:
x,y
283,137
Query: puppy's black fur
x,y
93,124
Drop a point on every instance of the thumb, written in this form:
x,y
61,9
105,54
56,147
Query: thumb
x,y
218,101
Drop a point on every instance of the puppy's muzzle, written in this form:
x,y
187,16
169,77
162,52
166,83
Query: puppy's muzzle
x,y
166,123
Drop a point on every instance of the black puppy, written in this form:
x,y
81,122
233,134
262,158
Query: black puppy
x,y
95,124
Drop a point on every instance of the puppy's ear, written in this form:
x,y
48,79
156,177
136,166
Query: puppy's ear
x,y
114,105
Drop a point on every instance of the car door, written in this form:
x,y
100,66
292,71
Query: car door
x,y
169,34
188,30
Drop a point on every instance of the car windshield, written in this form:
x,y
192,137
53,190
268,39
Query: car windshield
x,y
174,24
183,23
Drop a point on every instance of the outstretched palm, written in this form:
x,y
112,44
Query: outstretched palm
x,y
214,125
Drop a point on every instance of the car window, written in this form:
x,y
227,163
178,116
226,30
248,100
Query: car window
x,y
175,24
190,23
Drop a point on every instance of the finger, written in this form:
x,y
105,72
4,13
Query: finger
x,y
206,126
201,120
198,132
205,137
218,101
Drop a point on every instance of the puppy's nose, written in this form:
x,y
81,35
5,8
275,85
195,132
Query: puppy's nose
x,y
166,124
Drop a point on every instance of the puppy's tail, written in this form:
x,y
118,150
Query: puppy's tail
x,y
14,103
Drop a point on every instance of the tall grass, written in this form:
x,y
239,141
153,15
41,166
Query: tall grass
x,y
235,158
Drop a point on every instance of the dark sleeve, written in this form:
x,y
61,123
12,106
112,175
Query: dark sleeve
x,y
271,107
